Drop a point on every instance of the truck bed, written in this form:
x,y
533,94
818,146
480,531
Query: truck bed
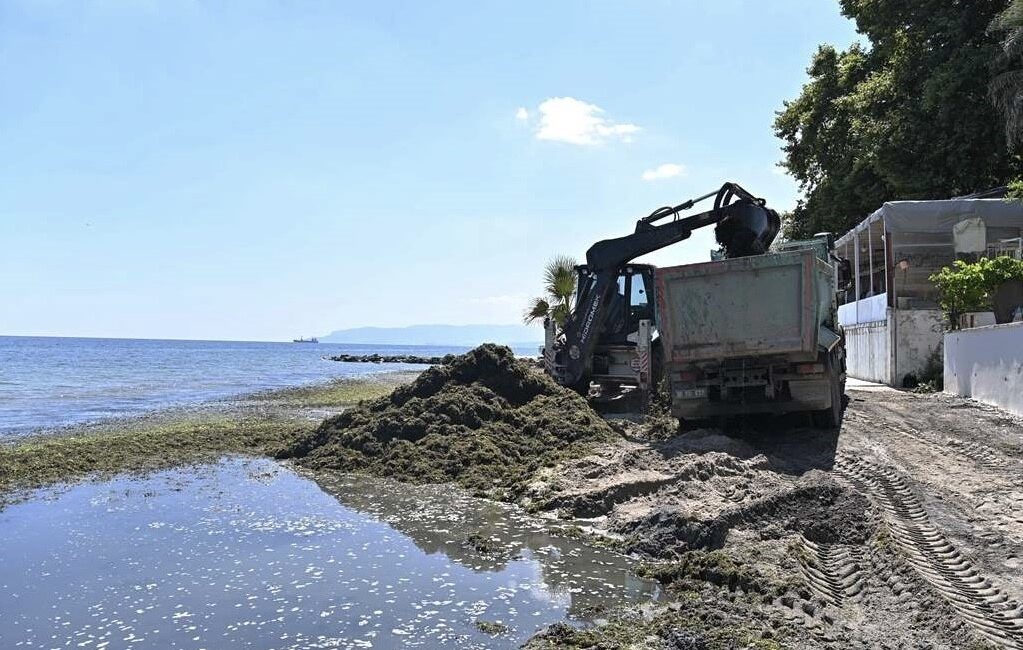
x,y
747,307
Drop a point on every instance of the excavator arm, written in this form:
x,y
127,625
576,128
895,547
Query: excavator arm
x,y
744,227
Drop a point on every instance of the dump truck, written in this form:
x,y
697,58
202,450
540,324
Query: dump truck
x,y
754,334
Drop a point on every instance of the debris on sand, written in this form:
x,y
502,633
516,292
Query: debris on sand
x,y
486,420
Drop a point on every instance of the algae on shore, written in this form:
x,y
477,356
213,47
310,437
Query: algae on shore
x,y
484,421
262,424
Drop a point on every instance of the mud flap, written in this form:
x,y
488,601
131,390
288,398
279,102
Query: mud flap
x,y
831,417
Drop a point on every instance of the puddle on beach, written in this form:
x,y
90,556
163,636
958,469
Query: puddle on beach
x,y
248,553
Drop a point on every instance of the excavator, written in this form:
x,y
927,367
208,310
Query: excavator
x,y
607,339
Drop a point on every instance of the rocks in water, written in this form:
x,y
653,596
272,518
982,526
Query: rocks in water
x,y
393,358
485,420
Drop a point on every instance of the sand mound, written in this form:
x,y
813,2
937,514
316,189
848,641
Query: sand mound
x,y
485,420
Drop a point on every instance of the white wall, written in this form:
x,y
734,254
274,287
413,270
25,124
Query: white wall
x,y
918,333
867,310
986,363
867,352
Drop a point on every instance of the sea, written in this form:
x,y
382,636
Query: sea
x,y
52,382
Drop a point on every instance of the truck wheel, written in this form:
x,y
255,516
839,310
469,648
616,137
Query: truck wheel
x,y
831,418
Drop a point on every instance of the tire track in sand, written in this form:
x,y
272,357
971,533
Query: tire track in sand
x,y
984,455
832,571
979,602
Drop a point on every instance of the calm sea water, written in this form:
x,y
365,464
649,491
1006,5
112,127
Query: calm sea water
x,y
53,382
246,553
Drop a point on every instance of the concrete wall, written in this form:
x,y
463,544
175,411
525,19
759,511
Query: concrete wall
x,y
867,352
918,333
986,363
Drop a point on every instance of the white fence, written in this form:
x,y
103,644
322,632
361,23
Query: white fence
x,y
868,355
986,363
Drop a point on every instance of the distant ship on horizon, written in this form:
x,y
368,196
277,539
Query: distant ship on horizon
x,y
302,340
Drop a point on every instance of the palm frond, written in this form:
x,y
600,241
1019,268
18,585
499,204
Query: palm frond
x,y
1006,92
1012,44
1011,18
538,309
560,313
560,278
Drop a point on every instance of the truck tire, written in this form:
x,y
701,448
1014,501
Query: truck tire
x,y
831,418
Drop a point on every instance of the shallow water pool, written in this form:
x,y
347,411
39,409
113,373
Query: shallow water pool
x,y
247,553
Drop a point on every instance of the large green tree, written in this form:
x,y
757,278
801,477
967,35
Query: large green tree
x,y
906,117
1007,86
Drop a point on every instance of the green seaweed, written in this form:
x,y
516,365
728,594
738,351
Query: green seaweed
x,y
675,628
485,421
490,627
174,439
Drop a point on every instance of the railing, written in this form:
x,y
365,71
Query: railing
x,y
1008,247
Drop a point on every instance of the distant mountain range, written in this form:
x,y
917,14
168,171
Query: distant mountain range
x,y
459,335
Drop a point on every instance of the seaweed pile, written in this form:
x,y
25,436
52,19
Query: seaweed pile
x,y
486,420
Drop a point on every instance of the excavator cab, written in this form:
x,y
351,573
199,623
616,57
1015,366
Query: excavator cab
x,y
630,303
625,335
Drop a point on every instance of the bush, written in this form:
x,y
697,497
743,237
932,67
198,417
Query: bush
x,y
965,287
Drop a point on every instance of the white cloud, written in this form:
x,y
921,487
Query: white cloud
x,y
667,170
566,119
522,114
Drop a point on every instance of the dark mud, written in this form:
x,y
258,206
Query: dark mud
x,y
816,507
484,421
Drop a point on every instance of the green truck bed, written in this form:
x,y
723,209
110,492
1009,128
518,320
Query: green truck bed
x,y
772,304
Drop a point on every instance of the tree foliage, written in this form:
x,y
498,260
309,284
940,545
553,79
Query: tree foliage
x,y
907,117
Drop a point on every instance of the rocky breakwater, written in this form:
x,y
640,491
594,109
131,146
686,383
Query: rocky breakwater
x,y
393,358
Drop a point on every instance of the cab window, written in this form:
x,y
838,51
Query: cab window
x,y
639,294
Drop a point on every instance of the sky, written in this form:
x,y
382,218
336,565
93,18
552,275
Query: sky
x,y
261,170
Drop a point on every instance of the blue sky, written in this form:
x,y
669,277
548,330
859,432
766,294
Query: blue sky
x,y
260,170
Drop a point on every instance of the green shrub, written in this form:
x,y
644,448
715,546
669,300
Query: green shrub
x,y
965,287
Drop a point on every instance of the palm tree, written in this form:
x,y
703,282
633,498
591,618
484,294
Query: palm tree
x,y
559,279
1006,89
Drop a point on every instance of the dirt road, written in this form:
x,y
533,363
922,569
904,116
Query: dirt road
x,y
904,529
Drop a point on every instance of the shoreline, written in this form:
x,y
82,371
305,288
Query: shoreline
x,y
257,423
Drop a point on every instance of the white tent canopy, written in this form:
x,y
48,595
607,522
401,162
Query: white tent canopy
x,y
940,216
